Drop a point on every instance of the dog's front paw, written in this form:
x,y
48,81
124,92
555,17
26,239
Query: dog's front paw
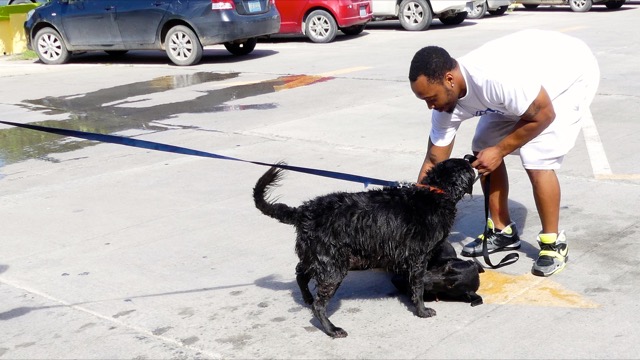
x,y
426,312
337,332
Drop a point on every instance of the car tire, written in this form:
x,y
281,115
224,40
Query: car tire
x,y
580,5
530,6
477,12
183,46
415,15
353,30
320,27
50,47
242,48
499,11
614,4
456,19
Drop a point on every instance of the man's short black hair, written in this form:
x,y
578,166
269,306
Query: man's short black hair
x,y
433,62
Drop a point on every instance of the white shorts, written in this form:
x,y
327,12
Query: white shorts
x,y
547,150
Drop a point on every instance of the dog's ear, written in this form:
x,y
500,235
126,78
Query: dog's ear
x,y
478,266
474,299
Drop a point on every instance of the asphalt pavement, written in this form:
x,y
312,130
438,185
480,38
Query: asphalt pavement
x,y
114,252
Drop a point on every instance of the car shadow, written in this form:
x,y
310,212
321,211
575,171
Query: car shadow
x,y
436,25
156,57
289,38
567,8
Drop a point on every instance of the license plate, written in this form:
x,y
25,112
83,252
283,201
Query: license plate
x,y
363,11
254,6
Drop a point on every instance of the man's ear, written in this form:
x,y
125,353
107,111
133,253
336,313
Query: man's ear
x,y
448,78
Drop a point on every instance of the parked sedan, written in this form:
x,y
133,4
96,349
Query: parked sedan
x,y
320,20
576,5
180,27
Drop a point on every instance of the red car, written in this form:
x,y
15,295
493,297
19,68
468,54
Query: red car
x,y
320,20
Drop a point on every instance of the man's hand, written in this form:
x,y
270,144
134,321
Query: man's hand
x,y
488,160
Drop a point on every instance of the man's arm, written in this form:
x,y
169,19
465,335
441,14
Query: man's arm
x,y
435,154
535,119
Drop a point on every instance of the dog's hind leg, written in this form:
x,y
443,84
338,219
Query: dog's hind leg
x,y
324,294
303,278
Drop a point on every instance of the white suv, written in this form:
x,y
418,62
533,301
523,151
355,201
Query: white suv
x,y
494,7
416,15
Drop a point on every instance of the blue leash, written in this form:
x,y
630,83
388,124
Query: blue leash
x,y
120,140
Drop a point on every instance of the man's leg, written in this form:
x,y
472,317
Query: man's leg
x,y
554,251
546,193
499,197
502,234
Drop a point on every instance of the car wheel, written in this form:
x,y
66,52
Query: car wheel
x,y
16,2
182,46
50,48
580,5
614,4
477,12
415,15
353,30
456,19
499,11
320,27
530,6
242,48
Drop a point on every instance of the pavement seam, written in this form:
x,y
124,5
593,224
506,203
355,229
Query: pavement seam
x,y
110,319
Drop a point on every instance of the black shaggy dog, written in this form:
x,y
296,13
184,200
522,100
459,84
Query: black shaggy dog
x,y
397,228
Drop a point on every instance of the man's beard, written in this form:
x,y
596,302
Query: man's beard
x,y
451,95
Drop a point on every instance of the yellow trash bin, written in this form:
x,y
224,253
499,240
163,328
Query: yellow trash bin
x,y
13,40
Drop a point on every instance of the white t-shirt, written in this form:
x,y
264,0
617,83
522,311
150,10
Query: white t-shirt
x,y
505,75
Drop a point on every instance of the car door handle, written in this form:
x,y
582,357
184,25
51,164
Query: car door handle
x,y
109,8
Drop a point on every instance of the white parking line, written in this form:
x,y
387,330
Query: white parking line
x,y
597,155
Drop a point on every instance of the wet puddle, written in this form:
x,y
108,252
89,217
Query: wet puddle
x,y
112,110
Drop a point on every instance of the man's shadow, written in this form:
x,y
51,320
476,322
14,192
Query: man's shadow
x,y
471,221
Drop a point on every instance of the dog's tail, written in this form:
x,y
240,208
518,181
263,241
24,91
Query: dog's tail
x,y
282,212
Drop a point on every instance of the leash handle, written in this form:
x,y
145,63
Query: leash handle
x,y
509,258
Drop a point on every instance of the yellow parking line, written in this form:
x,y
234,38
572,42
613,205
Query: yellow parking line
x,y
300,80
303,80
345,71
573,28
617,176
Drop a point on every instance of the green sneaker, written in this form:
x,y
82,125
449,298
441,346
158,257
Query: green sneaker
x,y
501,240
554,254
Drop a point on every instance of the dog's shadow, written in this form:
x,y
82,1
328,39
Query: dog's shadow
x,y
373,284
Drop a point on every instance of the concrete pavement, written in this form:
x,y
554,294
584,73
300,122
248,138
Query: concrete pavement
x,y
110,252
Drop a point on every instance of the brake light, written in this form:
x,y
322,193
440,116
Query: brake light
x,y
222,5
